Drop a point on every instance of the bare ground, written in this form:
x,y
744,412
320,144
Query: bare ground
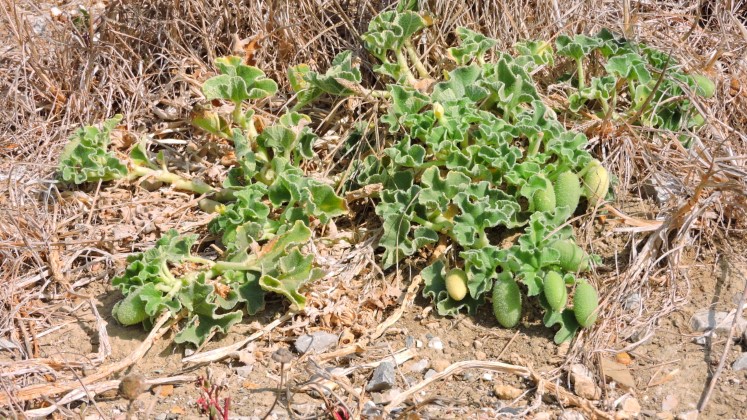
x,y
59,249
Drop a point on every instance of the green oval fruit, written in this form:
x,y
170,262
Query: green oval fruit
x,y
585,302
705,86
572,257
507,301
130,310
544,200
567,191
555,292
456,284
596,183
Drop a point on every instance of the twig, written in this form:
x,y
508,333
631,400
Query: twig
x,y
229,351
714,379
100,388
45,390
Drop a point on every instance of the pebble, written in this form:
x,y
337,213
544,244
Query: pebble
x,y
480,355
370,409
706,319
439,365
688,415
670,403
317,342
429,374
506,392
383,378
583,382
244,371
740,363
665,415
571,415
188,351
631,406
632,302
385,397
487,377
435,344
420,366
477,344
410,341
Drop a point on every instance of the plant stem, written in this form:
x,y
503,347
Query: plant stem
x,y
402,61
178,182
422,72
580,72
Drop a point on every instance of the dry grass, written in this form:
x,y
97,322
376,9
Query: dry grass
x,y
143,59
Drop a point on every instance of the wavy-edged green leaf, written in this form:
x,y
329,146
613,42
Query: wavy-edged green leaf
x,y
86,157
238,82
472,46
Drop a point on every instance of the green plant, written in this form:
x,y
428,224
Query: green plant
x,y
585,303
267,205
478,156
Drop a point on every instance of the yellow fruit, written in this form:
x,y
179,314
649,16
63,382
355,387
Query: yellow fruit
x,y
456,284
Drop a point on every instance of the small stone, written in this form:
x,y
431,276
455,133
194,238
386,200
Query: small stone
x,y
480,355
383,378
477,344
666,415
631,406
487,377
244,371
161,416
188,351
623,358
618,372
435,344
439,365
700,340
705,320
506,392
688,415
410,341
317,342
132,385
418,344
430,374
740,363
468,376
632,302
370,409
571,415
419,367
670,403
583,382
163,391
385,397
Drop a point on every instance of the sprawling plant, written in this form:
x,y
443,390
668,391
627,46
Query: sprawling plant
x,y
478,155
473,158
265,209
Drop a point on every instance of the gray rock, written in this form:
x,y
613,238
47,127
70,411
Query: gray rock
x,y
429,374
487,377
383,378
571,415
317,342
700,340
410,341
161,416
741,363
705,320
188,351
435,344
